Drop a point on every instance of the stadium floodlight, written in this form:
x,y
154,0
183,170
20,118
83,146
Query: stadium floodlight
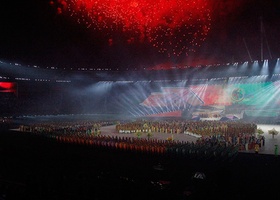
x,y
264,69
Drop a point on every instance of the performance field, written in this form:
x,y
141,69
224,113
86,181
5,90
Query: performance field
x,y
268,148
38,164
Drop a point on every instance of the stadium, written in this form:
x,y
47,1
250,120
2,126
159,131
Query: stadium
x,y
135,100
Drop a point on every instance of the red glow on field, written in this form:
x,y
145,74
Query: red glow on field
x,y
174,27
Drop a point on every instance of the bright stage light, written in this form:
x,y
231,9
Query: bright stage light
x,y
264,69
255,67
244,67
277,67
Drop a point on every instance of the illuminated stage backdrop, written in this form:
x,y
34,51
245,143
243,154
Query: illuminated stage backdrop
x,y
251,97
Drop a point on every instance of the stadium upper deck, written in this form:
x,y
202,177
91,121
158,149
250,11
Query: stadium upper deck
x,y
219,73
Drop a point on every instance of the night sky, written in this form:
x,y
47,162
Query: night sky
x,y
34,33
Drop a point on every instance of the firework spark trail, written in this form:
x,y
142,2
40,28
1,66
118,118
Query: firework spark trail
x,y
173,27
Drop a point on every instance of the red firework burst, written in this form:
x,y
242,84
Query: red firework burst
x,y
174,27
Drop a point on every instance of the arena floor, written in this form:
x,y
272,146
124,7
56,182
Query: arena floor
x,y
268,148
